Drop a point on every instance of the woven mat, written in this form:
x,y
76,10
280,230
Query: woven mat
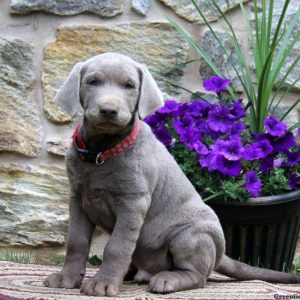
x,y
25,281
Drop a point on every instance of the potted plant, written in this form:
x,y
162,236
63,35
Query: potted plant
x,y
230,166
241,158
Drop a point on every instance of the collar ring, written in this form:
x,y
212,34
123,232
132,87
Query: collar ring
x,y
99,160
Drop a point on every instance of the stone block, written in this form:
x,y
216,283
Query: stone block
x,y
140,6
33,205
57,146
187,10
19,114
103,8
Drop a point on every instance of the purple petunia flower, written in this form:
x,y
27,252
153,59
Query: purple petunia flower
x,y
163,135
250,154
278,162
203,128
231,149
264,146
216,84
257,150
181,110
253,184
209,161
169,107
153,121
262,136
236,110
228,167
274,127
284,143
184,125
293,158
219,120
267,164
237,129
190,138
219,163
200,148
198,109
293,181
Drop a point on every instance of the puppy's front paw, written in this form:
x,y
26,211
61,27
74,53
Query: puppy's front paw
x,y
99,287
163,283
63,280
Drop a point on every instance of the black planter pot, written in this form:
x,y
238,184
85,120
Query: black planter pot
x,y
261,231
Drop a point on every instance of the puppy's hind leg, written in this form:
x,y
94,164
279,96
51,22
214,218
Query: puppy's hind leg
x,y
194,255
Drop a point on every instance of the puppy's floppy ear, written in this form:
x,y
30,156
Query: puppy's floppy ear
x,y
68,95
150,95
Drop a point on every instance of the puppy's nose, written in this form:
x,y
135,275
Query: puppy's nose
x,y
108,111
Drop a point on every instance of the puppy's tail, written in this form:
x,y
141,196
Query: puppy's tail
x,y
241,271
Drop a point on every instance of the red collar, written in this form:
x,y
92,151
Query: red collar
x,y
101,157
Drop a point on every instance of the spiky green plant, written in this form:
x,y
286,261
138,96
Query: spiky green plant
x,y
20,257
270,48
51,258
296,266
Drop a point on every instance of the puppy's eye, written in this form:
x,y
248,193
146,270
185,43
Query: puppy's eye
x,y
129,86
93,81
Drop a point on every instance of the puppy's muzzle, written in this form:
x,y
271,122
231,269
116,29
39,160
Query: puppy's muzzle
x,y
108,111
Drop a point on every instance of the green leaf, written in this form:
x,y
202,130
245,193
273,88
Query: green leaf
x,y
234,190
94,260
276,182
294,126
290,109
283,85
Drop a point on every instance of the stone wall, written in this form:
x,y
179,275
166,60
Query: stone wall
x,y
39,43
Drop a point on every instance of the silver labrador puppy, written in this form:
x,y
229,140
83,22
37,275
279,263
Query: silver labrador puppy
x,y
135,191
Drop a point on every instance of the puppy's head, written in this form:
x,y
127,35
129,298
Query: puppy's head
x,y
111,89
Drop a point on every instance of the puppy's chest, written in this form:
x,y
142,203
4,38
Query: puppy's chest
x,y
100,205
101,190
